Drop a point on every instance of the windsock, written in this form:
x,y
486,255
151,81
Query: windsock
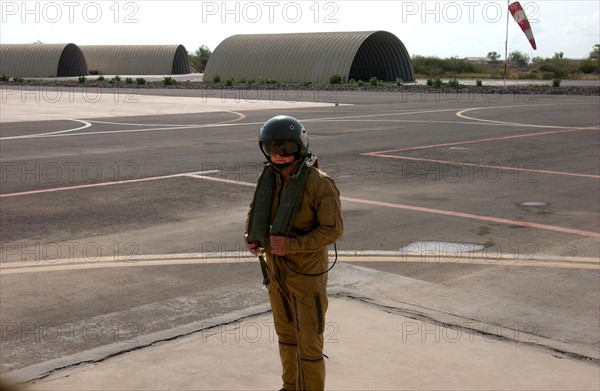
x,y
519,15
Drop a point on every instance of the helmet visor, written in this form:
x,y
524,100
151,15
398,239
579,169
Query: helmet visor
x,y
279,147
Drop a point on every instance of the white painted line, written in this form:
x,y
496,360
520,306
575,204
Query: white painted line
x,y
93,185
85,125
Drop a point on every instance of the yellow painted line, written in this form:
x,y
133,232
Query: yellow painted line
x,y
240,117
461,115
476,261
243,257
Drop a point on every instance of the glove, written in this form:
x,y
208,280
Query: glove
x,y
253,247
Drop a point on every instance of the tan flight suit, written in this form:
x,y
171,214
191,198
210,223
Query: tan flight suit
x,y
299,302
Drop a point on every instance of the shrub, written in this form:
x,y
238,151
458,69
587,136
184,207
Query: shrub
x,y
18,79
335,79
479,83
251,81
169,81
453,83
373,81
140,81
352,82
101,78
82,79
111,81
307,83
556,82
216,78
399,82
429,82
437,82
3,77
117,78
360,83
128,80
589,66
230,81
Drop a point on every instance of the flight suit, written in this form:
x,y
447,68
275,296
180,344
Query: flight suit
x,y
299,302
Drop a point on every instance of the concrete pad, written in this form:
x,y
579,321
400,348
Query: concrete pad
x,y
368,349
50,103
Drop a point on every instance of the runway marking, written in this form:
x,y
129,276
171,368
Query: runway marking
x,y
86,124
239,116
216,125
90,185
17,267
482,140
461,115
475,217
489,166
200,175
195,174
234,123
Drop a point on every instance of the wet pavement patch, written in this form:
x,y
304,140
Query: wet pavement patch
x,y
533,203
431,247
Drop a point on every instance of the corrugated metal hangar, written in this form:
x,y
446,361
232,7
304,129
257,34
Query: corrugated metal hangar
x,y
311,57
296,57
42,60
137,59
52,60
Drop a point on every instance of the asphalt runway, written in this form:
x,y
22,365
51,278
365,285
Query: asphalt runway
x,y
102,214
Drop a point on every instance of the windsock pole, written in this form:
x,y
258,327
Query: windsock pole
x,y
506,44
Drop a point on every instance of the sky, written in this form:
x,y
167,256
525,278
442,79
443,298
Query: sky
x,y
430,28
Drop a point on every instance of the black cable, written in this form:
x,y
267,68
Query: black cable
x,y
313,274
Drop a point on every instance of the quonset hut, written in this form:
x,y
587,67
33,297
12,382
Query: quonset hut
x,y
42,60
137,59
311,57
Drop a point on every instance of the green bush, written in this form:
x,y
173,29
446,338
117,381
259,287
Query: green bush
x,y
429,82
117,78
360,83
216,78
3,77
399,82
556,82
352,82
18,79
561,68
82,79
437,82
307,83
374,81
589,66
434,66
230,81
479,83
251,81
128,80
112,81
101,78
169,81
335,79
453,83
140,81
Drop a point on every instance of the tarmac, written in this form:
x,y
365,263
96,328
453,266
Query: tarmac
x,y
383,332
